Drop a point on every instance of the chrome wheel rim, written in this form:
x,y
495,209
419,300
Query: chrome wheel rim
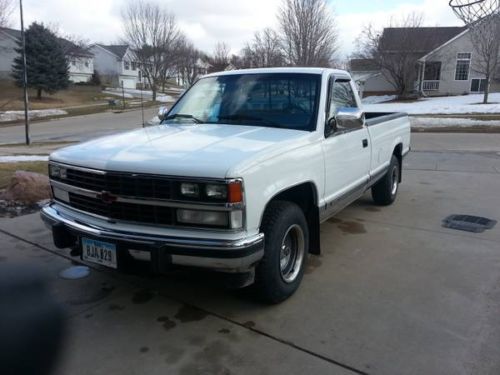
x,y
395,178
291,253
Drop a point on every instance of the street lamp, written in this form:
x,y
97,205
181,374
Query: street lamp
x,y
25,78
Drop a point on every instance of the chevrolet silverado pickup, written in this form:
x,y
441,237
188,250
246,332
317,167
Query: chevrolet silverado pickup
x,y
237,177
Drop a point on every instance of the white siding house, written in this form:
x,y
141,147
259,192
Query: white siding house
x,y
81,66
450,70
116,65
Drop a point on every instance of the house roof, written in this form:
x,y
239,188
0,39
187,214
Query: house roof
x,y
363,65
420,40
16,34
117,49
69,47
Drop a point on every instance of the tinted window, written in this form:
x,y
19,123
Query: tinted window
x,y
341,96
282,100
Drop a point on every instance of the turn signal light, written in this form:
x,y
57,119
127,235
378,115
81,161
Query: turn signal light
x,y
235,192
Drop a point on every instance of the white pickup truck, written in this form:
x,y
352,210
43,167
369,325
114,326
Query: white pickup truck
x,y
237,178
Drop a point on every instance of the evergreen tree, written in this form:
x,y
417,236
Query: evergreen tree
x,y
47,66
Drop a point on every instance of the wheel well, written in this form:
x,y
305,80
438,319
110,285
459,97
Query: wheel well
x,y
306,197
398,152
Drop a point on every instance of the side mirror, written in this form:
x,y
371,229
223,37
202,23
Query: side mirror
x,y
162,111
350,118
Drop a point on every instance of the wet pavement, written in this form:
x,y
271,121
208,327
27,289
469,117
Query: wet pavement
x,y
393,292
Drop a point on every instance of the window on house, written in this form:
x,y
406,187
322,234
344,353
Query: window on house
x,y
463,67
126,65
478,85
134,65
432,71
86,63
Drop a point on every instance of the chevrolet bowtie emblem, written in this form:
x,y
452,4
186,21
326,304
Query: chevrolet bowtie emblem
x,y
107,197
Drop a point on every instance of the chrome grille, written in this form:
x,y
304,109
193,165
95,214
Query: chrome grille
x,y
138,213
121,184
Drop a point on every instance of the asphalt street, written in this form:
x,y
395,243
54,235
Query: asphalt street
x,y
393,292
77,128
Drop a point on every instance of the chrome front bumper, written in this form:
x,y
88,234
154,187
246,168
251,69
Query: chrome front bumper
x,y
224,255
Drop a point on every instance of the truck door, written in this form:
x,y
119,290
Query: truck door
x,y
346,151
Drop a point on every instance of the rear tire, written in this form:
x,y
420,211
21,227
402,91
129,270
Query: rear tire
x,y
280,272
384,192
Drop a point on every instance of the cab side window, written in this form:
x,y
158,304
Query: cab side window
x,y
341,96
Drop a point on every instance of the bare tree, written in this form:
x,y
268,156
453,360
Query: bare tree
x,y
153,35
188,59
6,9
308,32
220,58
395,50
264,50
485,37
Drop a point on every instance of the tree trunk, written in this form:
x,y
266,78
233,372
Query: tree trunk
x,y
39,94
486,91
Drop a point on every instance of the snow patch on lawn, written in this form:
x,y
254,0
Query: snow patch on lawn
x,y
466,104
36,113
134,93
378,99
21,158
440,122
119,94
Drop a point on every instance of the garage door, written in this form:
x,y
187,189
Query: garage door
x,y
128,83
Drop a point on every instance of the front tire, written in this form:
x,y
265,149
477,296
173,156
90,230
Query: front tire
x,y
384,192
280,272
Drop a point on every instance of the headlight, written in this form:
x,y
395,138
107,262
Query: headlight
x,y
54,170
57,171
216,191
190,190
212,218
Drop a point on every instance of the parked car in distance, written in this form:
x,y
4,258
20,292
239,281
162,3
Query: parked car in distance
x,y
237,177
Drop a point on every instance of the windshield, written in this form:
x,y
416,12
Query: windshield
x,y
280,100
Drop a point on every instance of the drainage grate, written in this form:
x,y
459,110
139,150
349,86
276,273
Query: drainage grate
x,y
468,223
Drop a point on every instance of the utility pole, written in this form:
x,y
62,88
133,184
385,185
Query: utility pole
x,y
25,78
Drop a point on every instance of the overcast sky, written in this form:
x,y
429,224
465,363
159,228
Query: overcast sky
x,y
231,21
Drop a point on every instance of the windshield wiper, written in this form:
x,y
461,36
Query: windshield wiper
x,y
183,115
241,117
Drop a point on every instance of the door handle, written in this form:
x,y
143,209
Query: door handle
x,y
365,143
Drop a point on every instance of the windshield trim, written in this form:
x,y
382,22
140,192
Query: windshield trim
x,y
314,120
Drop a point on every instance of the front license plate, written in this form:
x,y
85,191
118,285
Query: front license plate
x,y
99,252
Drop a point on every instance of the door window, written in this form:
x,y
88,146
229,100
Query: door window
x,y
341,96
478,85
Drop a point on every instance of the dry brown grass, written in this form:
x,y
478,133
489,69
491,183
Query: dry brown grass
x,y
11,97
8,169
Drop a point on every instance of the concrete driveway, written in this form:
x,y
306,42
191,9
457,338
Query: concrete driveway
x,y
393,293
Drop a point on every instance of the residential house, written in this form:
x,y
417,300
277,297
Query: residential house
x,y
81,64
117,65
369,77
443,57
201,68
449,69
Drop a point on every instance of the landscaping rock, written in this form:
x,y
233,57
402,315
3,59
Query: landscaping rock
x,y
27,188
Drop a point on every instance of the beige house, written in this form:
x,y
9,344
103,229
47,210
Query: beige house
x,y
444,63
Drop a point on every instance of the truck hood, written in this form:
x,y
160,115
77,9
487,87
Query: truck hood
x,y
203,150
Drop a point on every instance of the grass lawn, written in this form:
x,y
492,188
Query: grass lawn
x,y
8,169
11,97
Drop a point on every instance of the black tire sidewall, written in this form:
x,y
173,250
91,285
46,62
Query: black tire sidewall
x,y
284,215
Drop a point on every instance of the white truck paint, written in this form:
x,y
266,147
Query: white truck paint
x,y
307,173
